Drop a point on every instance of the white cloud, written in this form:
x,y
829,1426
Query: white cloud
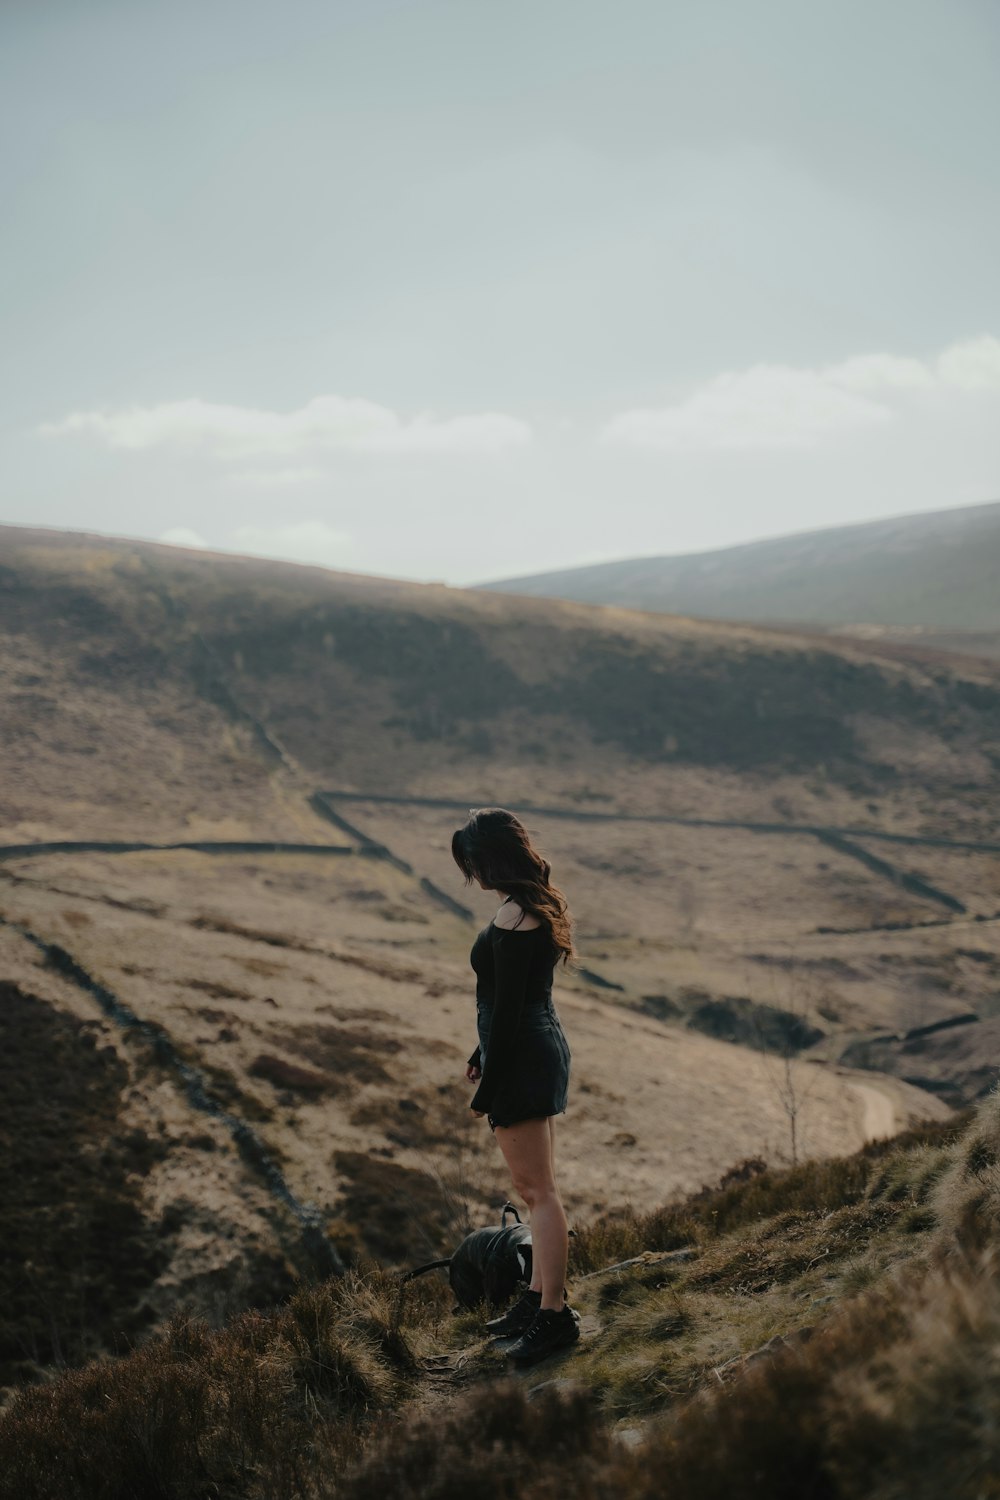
x,y
783,406
324,423
314,542
880,372
767,406
973,365
268,478
182,536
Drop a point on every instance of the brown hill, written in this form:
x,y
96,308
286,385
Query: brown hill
x,y
928,577
773,846
148,689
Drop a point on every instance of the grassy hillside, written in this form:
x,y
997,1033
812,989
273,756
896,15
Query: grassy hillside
x,y
229,911
148,690
935,573
236,1018
828,1330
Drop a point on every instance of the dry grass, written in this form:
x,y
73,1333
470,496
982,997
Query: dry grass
x,y
257,1410
894,1398
906,1376
966,1200
763,1254
751,1192
878,1378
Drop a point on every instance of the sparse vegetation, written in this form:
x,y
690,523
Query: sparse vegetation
x,y
798,1332
423,1118
344,666
392,1211
495,1444
288,1075
78,1251
351,1054
248,1410
830,1330
768,1027
751,1193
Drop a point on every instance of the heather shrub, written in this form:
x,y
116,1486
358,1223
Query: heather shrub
x,y
495,1444
79,1253
190,1414
242,1411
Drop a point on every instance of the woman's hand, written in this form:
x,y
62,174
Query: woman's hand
x,y
473,1073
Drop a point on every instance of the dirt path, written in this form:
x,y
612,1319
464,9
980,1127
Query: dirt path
x,y
880,1118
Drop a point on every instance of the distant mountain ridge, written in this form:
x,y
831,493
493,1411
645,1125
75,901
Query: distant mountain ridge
x,y
936,572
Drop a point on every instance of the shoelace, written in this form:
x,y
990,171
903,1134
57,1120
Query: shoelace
x,y
539,1323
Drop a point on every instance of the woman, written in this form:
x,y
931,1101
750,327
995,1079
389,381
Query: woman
x,y
522,1063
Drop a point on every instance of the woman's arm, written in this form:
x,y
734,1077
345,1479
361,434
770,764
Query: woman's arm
x,y
511,957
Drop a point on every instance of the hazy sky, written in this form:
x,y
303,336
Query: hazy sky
x,y
465,290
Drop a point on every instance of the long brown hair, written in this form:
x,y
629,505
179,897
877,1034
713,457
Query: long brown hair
x,y
494,844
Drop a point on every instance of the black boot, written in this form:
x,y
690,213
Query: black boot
x,y
551,1330
517,1318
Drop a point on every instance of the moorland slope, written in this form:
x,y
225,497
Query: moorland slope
x,y
828,1330
926,578
780,853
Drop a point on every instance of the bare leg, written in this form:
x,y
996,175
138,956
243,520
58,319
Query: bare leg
x,y
536,1263
527,1148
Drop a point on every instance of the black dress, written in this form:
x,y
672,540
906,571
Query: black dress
x,y
523,1051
